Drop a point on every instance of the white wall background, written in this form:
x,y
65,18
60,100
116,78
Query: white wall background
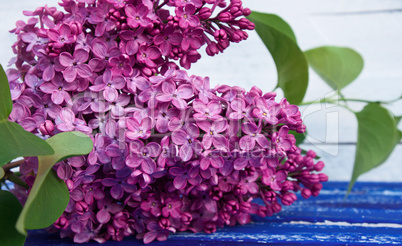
x,y
372,27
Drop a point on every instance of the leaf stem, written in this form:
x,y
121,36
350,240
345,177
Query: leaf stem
x,y
347,100
12,165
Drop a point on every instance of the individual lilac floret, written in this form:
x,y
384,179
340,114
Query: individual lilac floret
x,y
109,84
75,64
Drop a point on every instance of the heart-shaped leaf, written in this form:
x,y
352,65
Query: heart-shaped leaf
x,y
6,105
377,137
291,63
10,208
337,66
49,195
16,142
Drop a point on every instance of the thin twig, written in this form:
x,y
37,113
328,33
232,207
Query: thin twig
x,y
11,165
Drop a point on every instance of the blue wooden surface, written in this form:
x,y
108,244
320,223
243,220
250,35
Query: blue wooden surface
x,y
372,214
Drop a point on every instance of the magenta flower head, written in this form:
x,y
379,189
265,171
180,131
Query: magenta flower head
x,y
170,152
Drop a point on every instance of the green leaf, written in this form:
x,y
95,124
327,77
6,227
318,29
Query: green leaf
x,y
377,137
6,105
10,208
16,142
337,66
275,22
300,137
291,63
49,195
2,173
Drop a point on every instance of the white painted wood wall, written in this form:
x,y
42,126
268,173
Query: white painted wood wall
x,y
372,27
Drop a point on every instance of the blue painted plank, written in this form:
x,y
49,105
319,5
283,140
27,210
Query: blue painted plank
x,y
372,214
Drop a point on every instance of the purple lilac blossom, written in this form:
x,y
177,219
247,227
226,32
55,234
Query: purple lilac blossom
x,y
171,153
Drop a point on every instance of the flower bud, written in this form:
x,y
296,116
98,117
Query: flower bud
x,y
319,166
306,193
246,11
225,17
212,49
47,128
204,13
76,28
323,177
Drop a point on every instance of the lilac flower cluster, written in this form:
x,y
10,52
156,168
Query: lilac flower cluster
x,y
170,152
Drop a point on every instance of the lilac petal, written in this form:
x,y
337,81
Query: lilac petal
x,y
176,171
63,127
109,182
220,142
154,149
217,162
164,97
247,142
179,103
262,141
286,144
148,165
240,163
147,122
83,128
236,115
150,236
193,130
92,158
82,237
220,125
99,49
204,163
207,141
168,87
103,216
29,37
199,106
180,182
132,124
281,175
186,152
48,73
226,169
70,74
275,186
185,91
113,150
48,88
66,59
116,192
133,161
110,94
238,104
84,70
210,205
179,137
81,55
205,126
162,125
255,162
103,157
249,128
57,97
67,115
283,132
